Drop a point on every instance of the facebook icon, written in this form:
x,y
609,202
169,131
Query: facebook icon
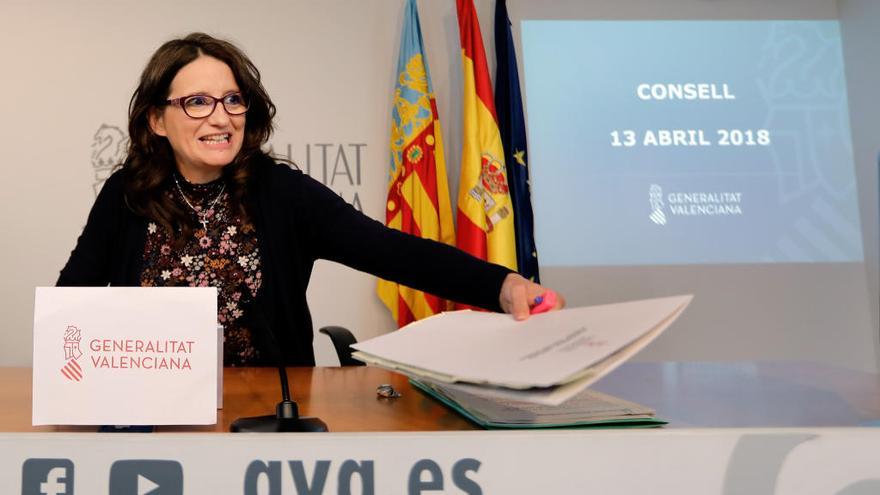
x,y
47,477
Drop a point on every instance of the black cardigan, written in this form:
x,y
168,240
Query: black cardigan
x,y
298,221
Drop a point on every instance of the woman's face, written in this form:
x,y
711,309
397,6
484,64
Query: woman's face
x,y
202,147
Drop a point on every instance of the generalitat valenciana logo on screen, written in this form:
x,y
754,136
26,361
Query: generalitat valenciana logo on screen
x,y
655,195
692,204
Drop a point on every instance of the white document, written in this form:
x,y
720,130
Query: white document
x,y
546,359
125,356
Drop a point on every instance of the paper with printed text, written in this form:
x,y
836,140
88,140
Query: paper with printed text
x,y
545,359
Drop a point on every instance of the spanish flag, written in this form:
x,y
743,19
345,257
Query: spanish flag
x,y
485,213
418,194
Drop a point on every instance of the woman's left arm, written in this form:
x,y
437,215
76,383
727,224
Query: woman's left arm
x,y
340,233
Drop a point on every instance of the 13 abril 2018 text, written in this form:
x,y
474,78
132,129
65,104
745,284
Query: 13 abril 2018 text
x,y
629,138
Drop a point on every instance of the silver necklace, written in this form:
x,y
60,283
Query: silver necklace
x,y
203,214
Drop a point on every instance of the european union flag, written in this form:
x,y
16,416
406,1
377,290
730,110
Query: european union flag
x,y
511,122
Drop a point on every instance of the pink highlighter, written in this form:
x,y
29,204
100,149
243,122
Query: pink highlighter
x,y
543,303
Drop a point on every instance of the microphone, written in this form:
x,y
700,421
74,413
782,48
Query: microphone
x,y
286,418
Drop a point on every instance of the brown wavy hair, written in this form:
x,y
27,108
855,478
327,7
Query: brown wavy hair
x,y
150,164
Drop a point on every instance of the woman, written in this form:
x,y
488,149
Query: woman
x,y
198,203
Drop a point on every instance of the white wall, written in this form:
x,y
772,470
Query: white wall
x,y
71,67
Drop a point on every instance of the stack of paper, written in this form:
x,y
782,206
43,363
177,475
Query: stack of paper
x,y
589,408
546,359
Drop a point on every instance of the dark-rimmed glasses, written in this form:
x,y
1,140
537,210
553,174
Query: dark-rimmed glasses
x,y
201,106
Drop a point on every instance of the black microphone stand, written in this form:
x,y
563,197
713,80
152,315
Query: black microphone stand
x,y
286,417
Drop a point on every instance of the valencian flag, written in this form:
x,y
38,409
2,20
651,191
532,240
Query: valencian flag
x,y
485,214
418,194
508,102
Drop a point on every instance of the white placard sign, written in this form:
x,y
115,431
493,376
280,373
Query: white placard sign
x,y
125,356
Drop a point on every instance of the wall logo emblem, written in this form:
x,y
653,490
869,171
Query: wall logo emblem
x,y
109,147
655,196
71,369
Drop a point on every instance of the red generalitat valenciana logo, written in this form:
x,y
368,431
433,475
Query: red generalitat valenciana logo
x,y
72,370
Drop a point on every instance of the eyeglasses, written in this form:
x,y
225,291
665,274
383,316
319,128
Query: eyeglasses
x,y
202,106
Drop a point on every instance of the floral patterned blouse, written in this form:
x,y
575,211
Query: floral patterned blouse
x,y
222,253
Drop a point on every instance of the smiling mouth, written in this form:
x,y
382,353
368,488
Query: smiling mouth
x,y
216,138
